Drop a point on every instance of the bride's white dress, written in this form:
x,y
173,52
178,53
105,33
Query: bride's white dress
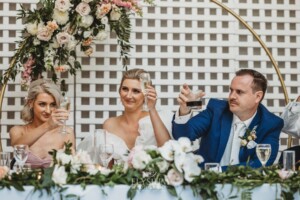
x,y
121,150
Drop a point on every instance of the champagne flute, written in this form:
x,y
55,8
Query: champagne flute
x,y
263,152
65,104
106,153
145,81
21,154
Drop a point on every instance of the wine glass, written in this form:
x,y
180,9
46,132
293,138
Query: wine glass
x,y
263,152
65,104
106,153
21,154
145,81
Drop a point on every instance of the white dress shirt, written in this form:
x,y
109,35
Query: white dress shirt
x,y
291,118
231,153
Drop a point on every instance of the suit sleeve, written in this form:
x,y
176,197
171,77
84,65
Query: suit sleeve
x,y
196,127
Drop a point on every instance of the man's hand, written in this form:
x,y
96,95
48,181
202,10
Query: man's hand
x,y
187,95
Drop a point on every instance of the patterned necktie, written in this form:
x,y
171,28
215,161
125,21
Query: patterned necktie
x,y
238,131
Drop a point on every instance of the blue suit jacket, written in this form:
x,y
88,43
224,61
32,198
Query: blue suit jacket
x,y
213,126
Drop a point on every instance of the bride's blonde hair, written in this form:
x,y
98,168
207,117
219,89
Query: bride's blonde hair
x,y
131,74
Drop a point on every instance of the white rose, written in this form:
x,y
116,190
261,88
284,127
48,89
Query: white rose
x,y
62,5
63,158
59,175
87,34
140,160
102,35
115,15
44,34
60,17
251,144
162,166
104,20
63,38
174,178
83,9
86,21
32,28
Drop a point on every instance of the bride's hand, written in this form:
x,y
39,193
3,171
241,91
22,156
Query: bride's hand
x,y
151,97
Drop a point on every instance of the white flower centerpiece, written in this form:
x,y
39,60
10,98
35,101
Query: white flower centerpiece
x,y
54,30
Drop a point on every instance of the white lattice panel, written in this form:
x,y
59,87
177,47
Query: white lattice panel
x,y
178,41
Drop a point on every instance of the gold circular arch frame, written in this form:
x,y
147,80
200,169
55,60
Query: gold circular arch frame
x,y
230,11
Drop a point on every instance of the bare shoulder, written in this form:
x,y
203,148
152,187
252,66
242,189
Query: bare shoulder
x,y
17,130
110,122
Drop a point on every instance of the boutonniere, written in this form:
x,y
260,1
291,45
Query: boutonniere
x,y
249,137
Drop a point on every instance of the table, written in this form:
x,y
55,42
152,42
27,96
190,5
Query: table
x,y
119,192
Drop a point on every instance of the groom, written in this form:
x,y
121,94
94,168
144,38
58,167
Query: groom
x,y
229,130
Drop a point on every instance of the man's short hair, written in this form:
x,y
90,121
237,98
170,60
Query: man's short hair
x,y
260,82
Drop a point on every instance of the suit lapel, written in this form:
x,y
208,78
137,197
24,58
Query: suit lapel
x,y
224,133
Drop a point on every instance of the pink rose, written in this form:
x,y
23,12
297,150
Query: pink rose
x,y
174,177
83,9
44,34
3,171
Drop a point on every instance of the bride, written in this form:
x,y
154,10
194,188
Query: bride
x,y
135,126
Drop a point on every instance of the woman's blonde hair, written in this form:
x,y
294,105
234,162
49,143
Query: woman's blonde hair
x,y
131,74
37,87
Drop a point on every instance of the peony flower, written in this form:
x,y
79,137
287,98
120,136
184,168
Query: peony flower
x,y
162,166
44,34
60,17
63,38
174,178
83,9
52,25
167,151
115,15
140,160
62,5
63,158
86,21
102,10
102,35
87,42
59,175
3,171
61,68
32,28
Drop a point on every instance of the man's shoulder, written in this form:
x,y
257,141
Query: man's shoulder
x,y
267,115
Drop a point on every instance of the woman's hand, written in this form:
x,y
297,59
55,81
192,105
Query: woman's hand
x,y
151,97
58,116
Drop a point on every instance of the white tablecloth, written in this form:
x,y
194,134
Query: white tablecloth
x,y
119,192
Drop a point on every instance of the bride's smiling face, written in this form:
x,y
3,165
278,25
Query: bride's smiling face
x,y
131,94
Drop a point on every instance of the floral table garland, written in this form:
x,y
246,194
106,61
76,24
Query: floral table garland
x,y
171,165
54,30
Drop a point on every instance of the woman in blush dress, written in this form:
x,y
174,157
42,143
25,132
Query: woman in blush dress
x,y
43,120
135,126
